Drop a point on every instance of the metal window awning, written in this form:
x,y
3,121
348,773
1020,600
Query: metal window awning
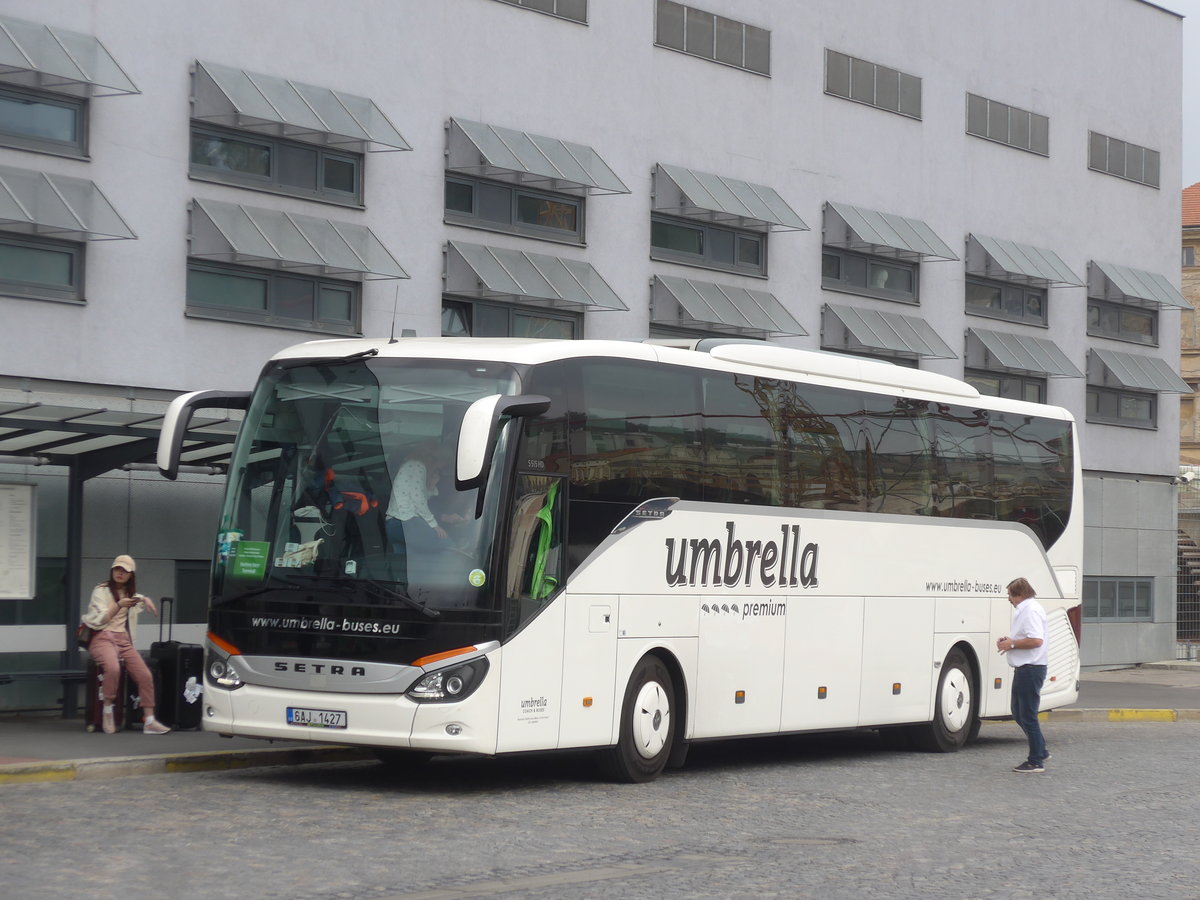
x,y
538,279
57,206
1021,353
1111,368
881,234
722,200
719,308
281,107
272,239
1107,281
53,59
518,157
89,434
1003,260
870,330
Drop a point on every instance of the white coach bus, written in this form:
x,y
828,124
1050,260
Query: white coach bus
x,y
492,546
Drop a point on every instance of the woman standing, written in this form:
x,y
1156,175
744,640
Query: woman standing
x,y
112,612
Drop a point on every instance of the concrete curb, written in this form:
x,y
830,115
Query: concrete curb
x,y
1124,715
121,766
1114,715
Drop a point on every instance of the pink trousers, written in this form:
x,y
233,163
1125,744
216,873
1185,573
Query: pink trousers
x,y
108,649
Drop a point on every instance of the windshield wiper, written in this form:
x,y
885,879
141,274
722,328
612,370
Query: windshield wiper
x,y
404,598
276,582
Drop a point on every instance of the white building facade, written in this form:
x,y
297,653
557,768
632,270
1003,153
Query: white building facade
x,y
981,190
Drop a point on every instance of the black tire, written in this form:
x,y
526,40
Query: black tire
x,y
974,732
955,710
647,726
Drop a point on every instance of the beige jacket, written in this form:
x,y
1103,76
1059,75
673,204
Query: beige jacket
x,y
102,608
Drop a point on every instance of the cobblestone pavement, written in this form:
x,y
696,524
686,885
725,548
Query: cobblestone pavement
x,y
1114,816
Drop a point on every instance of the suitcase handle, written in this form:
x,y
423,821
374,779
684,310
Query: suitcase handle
x,y
168,615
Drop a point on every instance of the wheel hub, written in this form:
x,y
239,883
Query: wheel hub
x,y
956,700
651,720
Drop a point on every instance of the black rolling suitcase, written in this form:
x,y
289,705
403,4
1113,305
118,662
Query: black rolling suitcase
x,y
182,670
93,716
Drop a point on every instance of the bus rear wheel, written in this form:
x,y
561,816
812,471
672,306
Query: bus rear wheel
x,y
954,714
647,725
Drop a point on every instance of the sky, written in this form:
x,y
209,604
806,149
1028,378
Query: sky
x,y
1191,87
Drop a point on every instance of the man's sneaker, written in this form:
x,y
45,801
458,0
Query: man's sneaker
x,y
1047,757
107,723
1028,768
155,727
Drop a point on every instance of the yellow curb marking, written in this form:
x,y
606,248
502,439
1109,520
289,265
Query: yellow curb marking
x,y
1142,715
38,775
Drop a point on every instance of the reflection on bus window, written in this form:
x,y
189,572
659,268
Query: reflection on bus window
x,y
535,546
640,430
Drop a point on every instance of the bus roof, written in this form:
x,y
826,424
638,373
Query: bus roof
x,y
753,357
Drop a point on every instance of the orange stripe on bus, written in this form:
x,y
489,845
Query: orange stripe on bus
x,y
224,645
435,657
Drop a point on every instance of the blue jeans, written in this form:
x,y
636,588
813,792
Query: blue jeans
x,y
1026,696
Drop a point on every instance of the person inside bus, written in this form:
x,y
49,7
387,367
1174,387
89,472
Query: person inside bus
x,y
1027,651
412,527
112,613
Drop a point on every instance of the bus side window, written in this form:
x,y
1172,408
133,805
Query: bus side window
x,y
900,435
826,432
535,548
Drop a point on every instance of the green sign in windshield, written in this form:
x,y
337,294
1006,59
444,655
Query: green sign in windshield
x,y
248,559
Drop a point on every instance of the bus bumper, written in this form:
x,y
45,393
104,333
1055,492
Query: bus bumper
x,y
371,720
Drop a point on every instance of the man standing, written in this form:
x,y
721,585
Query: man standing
x,y
1028,653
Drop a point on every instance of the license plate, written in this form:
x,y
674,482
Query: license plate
x,y
316,718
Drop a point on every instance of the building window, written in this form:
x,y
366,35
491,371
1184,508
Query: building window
x,y
704,34
506,207
1123,323
872,276
575,10
49,123
1189,257
462,318
41,269
870,83
907,362
1009,125
700,244
1003,300
1109,406
1122,159
270,164
1115,599
265,297
1004,384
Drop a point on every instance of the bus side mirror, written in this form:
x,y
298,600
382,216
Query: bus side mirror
x,y
477,433
179,415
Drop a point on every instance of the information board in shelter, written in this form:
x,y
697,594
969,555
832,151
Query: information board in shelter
x,y
17,541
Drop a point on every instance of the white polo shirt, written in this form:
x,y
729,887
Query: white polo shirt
x,y
1029,621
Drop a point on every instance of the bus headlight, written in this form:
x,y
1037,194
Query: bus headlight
x,y
450,684
221,674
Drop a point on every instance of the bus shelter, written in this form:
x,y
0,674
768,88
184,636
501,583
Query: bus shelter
x,y
75,437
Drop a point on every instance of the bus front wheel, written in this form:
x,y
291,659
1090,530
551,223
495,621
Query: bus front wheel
x,y
647,725
955,715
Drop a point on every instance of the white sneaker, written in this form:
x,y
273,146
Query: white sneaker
x,y
107,723
155,727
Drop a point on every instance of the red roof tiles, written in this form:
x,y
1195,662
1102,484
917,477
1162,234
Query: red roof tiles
x,y
1191,206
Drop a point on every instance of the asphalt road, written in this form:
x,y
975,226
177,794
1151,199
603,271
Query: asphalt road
x,y
821,817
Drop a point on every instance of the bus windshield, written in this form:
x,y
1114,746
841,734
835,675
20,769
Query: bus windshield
x,y
341,516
